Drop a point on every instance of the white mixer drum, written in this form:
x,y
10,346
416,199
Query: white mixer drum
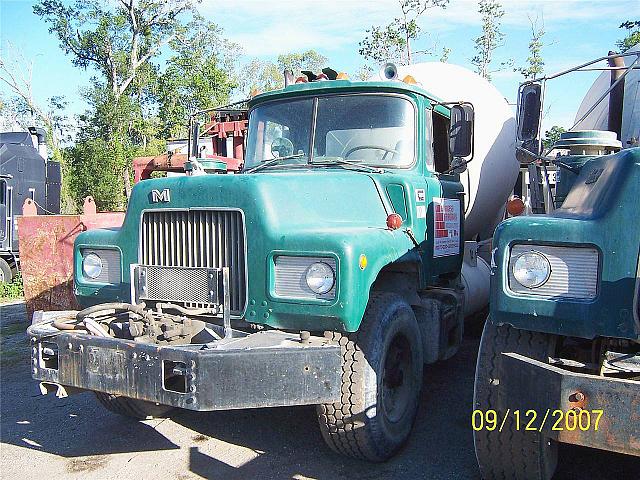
x,y
491,175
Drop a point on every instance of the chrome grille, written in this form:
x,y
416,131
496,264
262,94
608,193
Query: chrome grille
x,y
574,271
172,284
198,238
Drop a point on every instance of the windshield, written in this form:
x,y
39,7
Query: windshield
x,y
373,130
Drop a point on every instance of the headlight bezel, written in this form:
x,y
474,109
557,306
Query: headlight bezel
x,y
288,271
99,265
325,286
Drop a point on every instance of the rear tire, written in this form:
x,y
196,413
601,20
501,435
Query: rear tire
x,y
511,453
6,272
381,383
132,408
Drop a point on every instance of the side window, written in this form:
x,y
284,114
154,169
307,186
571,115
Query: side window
x,y
440,142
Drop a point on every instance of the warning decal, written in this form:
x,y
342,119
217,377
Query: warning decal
x,y
446,227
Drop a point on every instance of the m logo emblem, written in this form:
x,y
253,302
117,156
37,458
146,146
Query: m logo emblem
x,y
158,196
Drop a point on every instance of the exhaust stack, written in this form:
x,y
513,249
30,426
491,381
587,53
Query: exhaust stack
x,y
616,97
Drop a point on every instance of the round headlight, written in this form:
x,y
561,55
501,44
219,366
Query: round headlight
x,y
92,266
531,269
320,277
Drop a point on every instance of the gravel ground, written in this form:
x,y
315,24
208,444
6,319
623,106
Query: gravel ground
x,y
76,438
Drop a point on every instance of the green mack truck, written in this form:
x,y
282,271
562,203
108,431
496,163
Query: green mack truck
x,y
559,359
326,273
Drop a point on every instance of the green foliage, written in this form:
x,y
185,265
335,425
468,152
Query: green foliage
x,y
9,291
265,75
633,35
535,63
133,103
194,79
552,135
392,42
491,38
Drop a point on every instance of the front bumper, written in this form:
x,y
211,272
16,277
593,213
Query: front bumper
x,y
545,388
264,369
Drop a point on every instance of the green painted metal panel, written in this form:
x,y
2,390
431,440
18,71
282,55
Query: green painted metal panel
x,y
601,211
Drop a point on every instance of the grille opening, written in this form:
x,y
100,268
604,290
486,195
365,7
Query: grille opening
x,y
174,376
197,238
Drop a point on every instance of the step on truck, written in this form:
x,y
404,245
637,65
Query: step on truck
x,y
559,359
326,272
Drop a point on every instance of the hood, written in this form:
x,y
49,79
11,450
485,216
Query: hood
x,y
298,200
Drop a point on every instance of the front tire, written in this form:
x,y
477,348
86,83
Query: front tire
x,y
510,453
133,408
381,383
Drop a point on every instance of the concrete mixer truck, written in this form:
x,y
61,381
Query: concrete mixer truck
x,y
327,272
559,359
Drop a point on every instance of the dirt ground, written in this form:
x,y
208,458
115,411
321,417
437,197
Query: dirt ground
x,y
43,437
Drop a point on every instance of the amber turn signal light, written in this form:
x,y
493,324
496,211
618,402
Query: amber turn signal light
x,y
515,206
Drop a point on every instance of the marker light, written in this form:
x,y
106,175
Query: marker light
x,y
410,80
394,221
254,92
342,76
321,76
362,263
515,206
531,269
320,277
302,79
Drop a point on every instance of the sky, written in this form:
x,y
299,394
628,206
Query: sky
x,y
576,31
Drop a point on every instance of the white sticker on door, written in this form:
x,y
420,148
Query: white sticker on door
x,y
446,227
419,194
421,211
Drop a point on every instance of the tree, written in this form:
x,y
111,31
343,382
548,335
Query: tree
x,y
119,42
393,42
16,73
633,35
263,76
535,63
552,135
491,38
195,79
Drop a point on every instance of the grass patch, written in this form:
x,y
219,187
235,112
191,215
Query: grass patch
x,y
11,291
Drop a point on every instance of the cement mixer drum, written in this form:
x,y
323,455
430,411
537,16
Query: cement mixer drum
x,y
491,175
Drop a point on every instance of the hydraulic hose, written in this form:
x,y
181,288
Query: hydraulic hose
x,y
128,307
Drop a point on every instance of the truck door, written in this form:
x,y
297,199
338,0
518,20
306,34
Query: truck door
x,y
445,210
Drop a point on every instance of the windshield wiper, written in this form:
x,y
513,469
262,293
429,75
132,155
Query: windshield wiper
x,y
273,161
342,162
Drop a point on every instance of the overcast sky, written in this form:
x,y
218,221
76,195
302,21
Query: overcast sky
x,y
577,30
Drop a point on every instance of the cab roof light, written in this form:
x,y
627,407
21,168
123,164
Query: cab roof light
x,y
409,80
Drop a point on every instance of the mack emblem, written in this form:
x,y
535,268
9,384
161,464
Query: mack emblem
x,y
158,196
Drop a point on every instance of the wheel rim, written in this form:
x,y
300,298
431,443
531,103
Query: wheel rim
x,y
397,379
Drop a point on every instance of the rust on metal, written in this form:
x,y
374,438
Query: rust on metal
x,y
46,255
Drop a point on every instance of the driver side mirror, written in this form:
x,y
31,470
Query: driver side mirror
x,y
529,112
461,130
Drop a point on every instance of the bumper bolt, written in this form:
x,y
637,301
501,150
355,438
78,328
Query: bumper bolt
x,y
576,397
304,336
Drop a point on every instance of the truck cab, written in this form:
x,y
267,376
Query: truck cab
x,y
559,359
326,272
